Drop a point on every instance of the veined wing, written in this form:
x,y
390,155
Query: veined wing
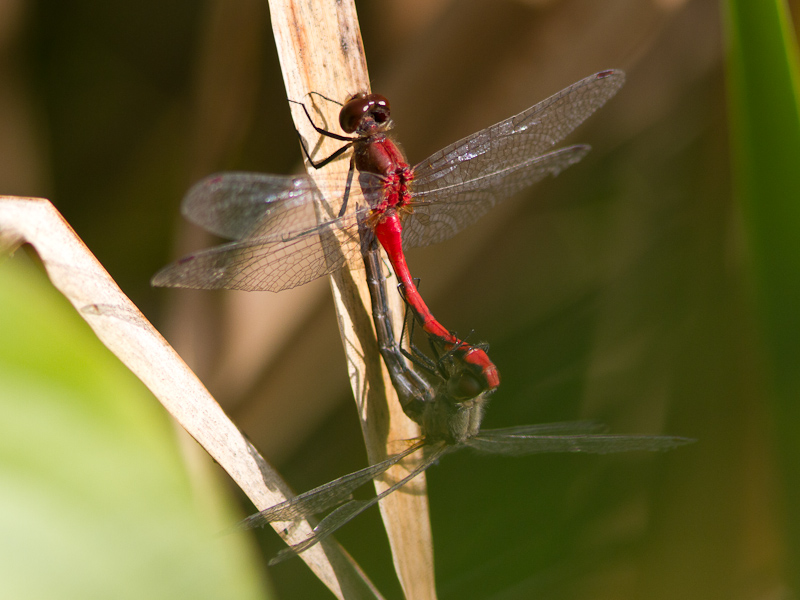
x,y
558,428
468,165
287,236
536,439
241,205
448,210
352,508
325,496
266,263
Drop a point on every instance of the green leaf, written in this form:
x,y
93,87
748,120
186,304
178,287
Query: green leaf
x,y
765,137
95,498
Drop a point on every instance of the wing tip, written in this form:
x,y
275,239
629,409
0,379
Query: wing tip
x,y
615,74
161,279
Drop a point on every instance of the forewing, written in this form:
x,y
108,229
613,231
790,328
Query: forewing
x,y
231,204
247,205
559,428
461,169
519,442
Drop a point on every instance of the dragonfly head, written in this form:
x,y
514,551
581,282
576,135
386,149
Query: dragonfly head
x,y
455,412
463,385
366,114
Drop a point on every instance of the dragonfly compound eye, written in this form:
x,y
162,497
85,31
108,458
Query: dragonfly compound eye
x,y
464,386
360,107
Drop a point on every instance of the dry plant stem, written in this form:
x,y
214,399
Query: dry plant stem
x,y
320,50
77,274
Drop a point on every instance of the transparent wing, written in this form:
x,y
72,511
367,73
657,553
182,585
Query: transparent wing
x,y
287,236
457,172
262,263
534,439
448,210
244,205
353,508
325,496
232,204
559,428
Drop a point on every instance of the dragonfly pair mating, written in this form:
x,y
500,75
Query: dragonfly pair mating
x,y
282,242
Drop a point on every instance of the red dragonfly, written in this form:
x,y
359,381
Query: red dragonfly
x,y
286,235
448,401
449,422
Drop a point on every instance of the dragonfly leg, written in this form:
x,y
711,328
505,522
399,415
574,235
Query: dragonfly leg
x,y
326,133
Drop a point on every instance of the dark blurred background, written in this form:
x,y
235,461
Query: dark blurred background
x,y
616,292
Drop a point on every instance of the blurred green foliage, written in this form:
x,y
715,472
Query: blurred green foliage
x,y
95,498
764,100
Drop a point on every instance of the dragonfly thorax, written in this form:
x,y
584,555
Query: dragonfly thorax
x,y
451,420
